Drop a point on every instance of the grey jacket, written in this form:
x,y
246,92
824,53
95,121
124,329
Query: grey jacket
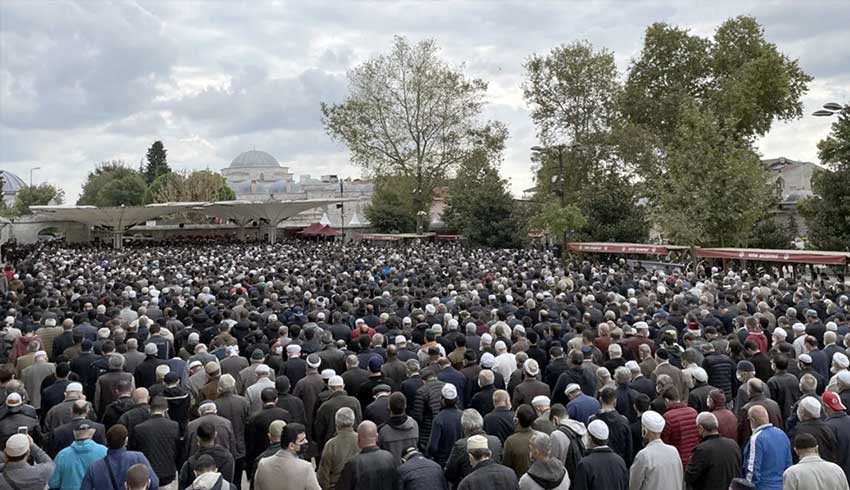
x,y
27,476
398,434
236,409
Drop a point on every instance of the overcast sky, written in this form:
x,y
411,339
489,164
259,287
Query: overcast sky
x,y
82,82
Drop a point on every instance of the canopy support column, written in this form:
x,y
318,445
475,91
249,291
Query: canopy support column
x,y
272,227
118,238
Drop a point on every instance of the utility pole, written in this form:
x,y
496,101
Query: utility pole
x,y
342,210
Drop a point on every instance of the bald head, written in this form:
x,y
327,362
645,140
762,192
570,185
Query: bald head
x,y
758,416
367,434
141,396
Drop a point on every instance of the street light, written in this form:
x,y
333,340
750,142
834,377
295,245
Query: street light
x,y
829,109
31,170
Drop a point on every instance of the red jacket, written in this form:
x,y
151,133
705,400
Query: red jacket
x,y
680,430
760,339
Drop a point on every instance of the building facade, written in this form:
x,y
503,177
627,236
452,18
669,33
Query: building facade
x,y
258,176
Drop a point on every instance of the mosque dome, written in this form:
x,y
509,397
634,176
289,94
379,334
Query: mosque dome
x,y
254,158
11,182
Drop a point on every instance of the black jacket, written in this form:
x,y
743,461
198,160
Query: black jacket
x,y
223,460
257,429
499,423
619,434
713,464
157,438
132,418
822,433
458,465
601,468
372,469
490,475
483,400
420,473
145,373
721,372
115,410
63,436
840,425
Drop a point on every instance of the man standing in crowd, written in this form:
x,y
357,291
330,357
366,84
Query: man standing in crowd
x,y
812,472
716,461
285,468
657,466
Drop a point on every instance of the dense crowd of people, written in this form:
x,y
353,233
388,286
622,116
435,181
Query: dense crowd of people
x,y
308,365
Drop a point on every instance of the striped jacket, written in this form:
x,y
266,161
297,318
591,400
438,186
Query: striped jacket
x,y
766,456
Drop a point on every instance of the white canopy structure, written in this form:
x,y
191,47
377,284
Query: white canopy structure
x,y
119,219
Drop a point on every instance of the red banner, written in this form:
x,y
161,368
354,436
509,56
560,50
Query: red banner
x,y
790,256
621,248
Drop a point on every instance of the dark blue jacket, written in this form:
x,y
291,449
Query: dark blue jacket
x,y
453,376
420,473
120,460
582,408
445,430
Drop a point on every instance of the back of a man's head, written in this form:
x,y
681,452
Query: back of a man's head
x,y
116,437
206,431
138,476
525,415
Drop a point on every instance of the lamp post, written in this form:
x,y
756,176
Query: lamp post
x,y
829,109
31,170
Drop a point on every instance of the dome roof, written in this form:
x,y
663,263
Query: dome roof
x,y
12,183
254,158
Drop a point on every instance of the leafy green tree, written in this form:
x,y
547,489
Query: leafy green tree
x,y
113,184
714,189
557,220
827,212
773,232
391,209
39,195
157,162
738,74
408,113
479,204
731,87
195,186
614,211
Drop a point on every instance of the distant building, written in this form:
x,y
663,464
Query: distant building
x,y
794,181
258,176
11,185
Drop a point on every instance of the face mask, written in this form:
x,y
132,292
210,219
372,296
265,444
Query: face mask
x,y
739,376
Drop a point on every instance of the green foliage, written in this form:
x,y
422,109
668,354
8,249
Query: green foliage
x,y
557,220
738,73
113,184
613,212
391,209
195,186
479,204
572,93
774,232
408,113
40,195
714,189
827,212
157,162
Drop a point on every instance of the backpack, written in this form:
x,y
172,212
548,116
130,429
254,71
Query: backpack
x,y
575,452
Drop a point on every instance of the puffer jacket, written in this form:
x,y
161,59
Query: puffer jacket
x,y
420,473
548,474
398,434
721,372
680,430
429,401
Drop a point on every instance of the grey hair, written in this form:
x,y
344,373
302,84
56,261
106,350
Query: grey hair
x,y
622,375
344,418
471,421
707,421
808,383
603,373
226,384
541,442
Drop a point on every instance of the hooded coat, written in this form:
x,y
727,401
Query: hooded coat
x,y
547,474
399,433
